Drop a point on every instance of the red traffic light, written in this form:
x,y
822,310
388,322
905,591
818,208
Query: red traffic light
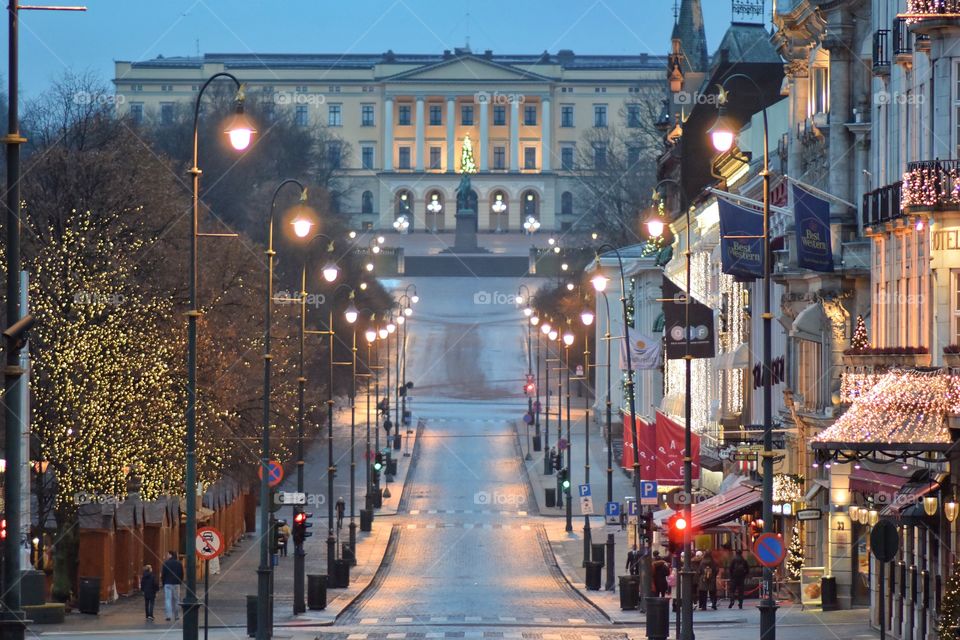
x,y
300,518
680,524
529,388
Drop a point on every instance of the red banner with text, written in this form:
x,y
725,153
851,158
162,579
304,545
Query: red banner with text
x,y
661,449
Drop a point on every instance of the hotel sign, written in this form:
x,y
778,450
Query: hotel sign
x,y
946,240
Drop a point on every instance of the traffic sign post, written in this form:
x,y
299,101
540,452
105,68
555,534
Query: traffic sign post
x,y
209,545
769,550
274,473
648,492
884,544
612,513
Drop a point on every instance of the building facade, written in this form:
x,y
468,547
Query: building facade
x,y
407,118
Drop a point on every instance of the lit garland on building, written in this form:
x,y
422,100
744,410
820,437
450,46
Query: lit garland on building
x,y
949,617
931,185
916,9
794,554
903,406
787,488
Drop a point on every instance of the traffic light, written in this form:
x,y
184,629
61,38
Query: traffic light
x,y
275,536
646,526
557,461
3,529
301,524
378,462
564,478
529,388
676,529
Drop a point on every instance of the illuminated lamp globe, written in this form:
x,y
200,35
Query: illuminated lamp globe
x,y
239,129
330,272
722,132
599,282
545,328
370,335
414,298
368,266
568,339
408,311
527,311
351,314
383,333
534,320
586,316
391,327
569,286
301,227
552,335
400,320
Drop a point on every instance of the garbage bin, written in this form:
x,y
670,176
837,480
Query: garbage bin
x,y
629,592
828,593
366,520
397,444
597,552
378,499
317,592
391,467
341,574
551,496
537,444
658,618
593,575
32,588
347,554
251,615
88,599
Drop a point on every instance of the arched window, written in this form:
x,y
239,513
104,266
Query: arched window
x,y
531,204
366,202
404,205
566,203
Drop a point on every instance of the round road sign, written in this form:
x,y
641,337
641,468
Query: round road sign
x,y
209,543
274,473
884,541
769,550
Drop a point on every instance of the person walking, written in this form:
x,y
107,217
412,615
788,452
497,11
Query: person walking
x,y
695,575
737,572
661,570
708,582
633,561
171,576
284,538
341,507
149,588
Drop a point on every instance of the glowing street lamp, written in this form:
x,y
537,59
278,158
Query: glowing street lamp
x,y
586,316
331,272
600,282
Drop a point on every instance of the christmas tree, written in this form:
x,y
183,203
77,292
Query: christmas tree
x,y
467,163
794,554
949,617
859,340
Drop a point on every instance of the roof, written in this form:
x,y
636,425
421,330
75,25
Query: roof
x,y
746,43
564,58
690,32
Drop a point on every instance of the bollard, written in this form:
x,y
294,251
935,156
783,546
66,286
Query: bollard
x,y
658,618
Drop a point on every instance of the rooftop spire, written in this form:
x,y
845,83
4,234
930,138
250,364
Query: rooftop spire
x,y
690,32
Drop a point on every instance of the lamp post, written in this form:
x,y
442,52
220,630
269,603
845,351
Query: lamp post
x,y
414,299
568,339
555,336
331,469
600,284
240,132
391,328
631,403
545,329
523,297
586,317
371,336
351,315
535,416
722,134
264,571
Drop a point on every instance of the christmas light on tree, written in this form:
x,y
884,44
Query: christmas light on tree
x,y
949,617
467,163
859,339
794,554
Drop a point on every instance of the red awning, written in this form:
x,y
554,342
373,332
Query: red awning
x,y
875,482
909,496
725,507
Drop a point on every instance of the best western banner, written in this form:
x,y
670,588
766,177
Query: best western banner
x,y
812,222
675,315
741,257
661,449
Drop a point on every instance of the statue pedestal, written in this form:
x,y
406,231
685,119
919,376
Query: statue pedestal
x,y
465,240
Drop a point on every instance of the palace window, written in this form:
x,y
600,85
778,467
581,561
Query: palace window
x,y
403,115
366,115
166,113
566,158
566,115
530,115
366,202
404,158
300,116
436,115
466,115
530,158
600,115
633,116
499,158
566,203
819,90
499,115
435,155
333,155
366,157
136,112
599,156
334,118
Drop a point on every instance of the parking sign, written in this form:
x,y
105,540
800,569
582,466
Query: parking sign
x,y
648,492
612,512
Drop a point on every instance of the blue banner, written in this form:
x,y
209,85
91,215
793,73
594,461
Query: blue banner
x,y
812,221
742,257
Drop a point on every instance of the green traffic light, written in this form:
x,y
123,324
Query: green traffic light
x,y
566,484
377,466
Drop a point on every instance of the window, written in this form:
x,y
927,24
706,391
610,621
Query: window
x,y
566,158
334,116
633,158
136,112
300,116
599,115
403,117
366,115
166,113
166,87
566,203
819,90
530,115
136,87
499,158
366,202
809,368
404,157
333,155
435,155
366,157
436,115
466,115
599,156
530,158
566,115
499,115
633,116
301,88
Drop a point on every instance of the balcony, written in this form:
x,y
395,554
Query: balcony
x,y
926,16
902,42
931,185
881,205
881,52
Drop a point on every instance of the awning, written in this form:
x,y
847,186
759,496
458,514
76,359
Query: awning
x,y
725,506
809,324
908,501
875,482
739,358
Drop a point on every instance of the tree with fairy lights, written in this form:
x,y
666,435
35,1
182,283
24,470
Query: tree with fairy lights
x,y
949,618
794,554
467,163
859,339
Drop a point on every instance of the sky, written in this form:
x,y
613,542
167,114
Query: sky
x,y
52,42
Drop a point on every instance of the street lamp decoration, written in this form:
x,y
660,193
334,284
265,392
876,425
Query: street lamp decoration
x,y
351,313
586,316
402,224
240,129
531,224
331,272
599,282
434,205
499,206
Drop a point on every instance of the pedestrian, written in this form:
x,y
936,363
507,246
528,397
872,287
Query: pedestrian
x,y
149,588
171,575
661,570
708,582
341,505
633,561
695,576
623,519
737,572
284,538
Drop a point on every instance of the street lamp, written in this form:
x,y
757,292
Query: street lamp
x,y
545,330
602,281
586,317
190,603
722,136
568,339
523,295
265,569
351,315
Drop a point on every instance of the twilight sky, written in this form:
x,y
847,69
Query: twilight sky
x,y
141,29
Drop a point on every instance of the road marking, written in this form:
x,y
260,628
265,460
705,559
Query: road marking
x,y
525,527
411,526
432,512
576,621
415,512
472,619
507,619
370,621
438,619
404,619
357,636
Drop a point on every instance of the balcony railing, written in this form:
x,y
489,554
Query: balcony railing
x,y
881,51
923,13
931,185
902,38
881,205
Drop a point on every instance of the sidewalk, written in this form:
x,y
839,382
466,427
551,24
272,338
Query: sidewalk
x,y
237,576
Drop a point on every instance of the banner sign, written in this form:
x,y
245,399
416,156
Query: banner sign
x,y
812,222
661,449
645,352
701,327
742,257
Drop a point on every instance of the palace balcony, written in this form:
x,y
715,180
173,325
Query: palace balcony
x,y
881,205
927,16
930,186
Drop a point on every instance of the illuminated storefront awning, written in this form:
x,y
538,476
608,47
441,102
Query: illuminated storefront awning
x,y
739,499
